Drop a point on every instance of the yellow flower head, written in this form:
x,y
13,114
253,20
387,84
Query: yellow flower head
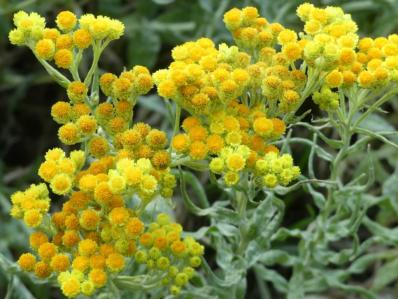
x,y
66,20
63,58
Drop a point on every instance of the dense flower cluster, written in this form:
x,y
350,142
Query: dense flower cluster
x,y
89,249
121,168
237,95
62,44
31,205
202,79
60,171
240,100
234,140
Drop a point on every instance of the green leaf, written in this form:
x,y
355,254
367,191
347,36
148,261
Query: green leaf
x,y
143,48
153,103
390,189
227,230
385,275
375,122
277,257
277,280
137,282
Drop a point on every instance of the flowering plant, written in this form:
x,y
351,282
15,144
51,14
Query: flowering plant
x,y
242,104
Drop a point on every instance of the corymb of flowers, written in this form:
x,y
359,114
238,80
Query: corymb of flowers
x,y
237,101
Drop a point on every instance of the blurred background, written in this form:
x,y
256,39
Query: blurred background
x,y
153,28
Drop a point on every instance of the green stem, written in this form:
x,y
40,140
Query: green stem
x,y
241,209
58,77
97,50
74,70
177,120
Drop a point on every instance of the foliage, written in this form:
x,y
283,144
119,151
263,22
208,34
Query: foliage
x,y
329,230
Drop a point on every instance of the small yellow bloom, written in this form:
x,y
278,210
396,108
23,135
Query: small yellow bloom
x,y
27,262
66,20
45,49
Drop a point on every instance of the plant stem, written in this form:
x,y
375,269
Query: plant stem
x,y
241,209
58,77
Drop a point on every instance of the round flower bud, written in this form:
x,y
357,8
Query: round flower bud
x,y
27,262
45,49
82,38
63,58
66,20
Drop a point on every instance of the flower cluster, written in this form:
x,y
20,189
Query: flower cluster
x,y
88,249
250,31
62,44
31,205
128,85
233,140
163,250
334,51
60,171
274,170
203,79
107,185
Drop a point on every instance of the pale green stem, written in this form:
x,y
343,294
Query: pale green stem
x,y
97,51
375,105
58,77
177,120
74,70
241,209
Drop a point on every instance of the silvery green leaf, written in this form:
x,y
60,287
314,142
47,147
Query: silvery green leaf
x,y
227,230
390,189
284,233
385,275
376,123
276,257
277,280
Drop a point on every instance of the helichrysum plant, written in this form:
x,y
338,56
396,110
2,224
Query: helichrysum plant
x,y
241,103
119,169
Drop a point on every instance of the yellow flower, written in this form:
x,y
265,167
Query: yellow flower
x,y
231,178
77,91
63,58
47,170
115,262
87,124
235,162
287,36
27,262
17,37
47,250
60,262
71,287
45,49
36,239
334,78
233,18
61,184
87,247
42,270
167,89
263,126
98,277
33,218
198,150
89,219
66,20
87,288
82,38
98,146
